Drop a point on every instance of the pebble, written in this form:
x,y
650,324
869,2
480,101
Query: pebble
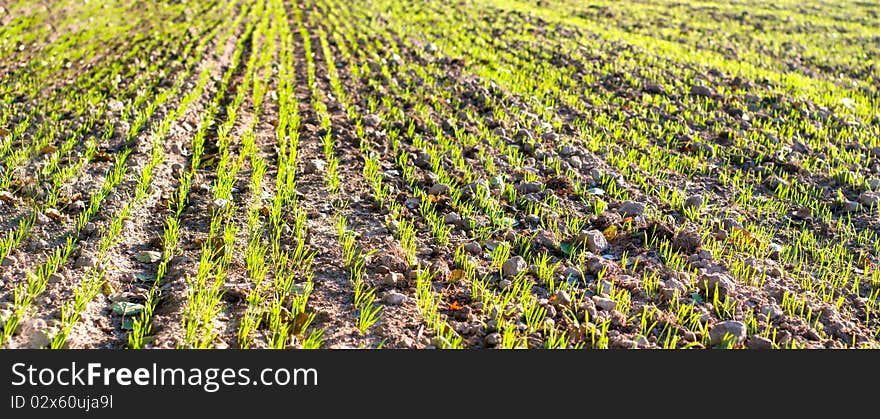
x,y
869,199
505,284
452,218
393,298
393,279
604,287
708,282
529,187
513,266
439,189
758,342
473,248
687,241
694,201
849,206
372,120
6,196
36,333
316,166
10,260
85,261
56,278
873,184
734,328
493,339
876,151
631,209
606,304
544,239
594,239
561,299
698,90
148,256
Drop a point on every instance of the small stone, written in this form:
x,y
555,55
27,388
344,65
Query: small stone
x,y
561,299
439,189
703,91
873,184
604,287
708,282
869,199
758,342
6,196
35,331
594,239
452,218
505,284
493,339
473,248
10,261
176,169
529,187
372,120
90,229
544,239
733,328
393,279
315,166
393,298
694,201
606,304
653,88
56,277
85,261
513,266
849,206
631,209
687,241
148,256
772,312
876,151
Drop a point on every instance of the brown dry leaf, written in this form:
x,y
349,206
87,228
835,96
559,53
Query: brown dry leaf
x,y
48,149
457,275
299,323
455,306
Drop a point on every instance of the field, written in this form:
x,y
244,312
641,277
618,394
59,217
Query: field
x,y
428,174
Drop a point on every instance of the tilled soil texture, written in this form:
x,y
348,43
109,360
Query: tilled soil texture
x,y
432,174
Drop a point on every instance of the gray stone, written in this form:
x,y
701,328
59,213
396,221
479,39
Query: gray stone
x,y
513,266
529,187
372,120
606,304
473,248
10,260
733,328
873,184
315,166
758,342
56,278
393,279
708,282
36,333
493,339
703,91
631,209
594,239
561,299
452,218
393,298
869,199
439,189
694,201
85,261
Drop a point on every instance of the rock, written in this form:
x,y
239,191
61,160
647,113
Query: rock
x,y
869,199
708,282
757,342
672,288
876,151
505,284
513,267
7,197
148,256
606,304
35,332
10,260
561,299
687,241
529,187
473,248
702,91
873,184
772,182
849,206
85,261
544,239
90,229
315,166
736,329
694,201
493,339
452,218
653,88
573,275
393,298
439,189
372,120
772,312
631,209
56,277
594,239
393,279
